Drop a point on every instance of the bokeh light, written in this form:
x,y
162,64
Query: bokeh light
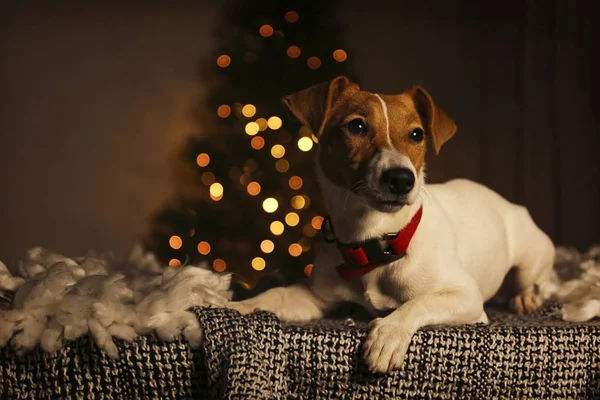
x,y
292,219
174,263
340,55
258,263
305,143
308,269
293,52
216,189
267,246
298,202
257,143
277,227
317,222
203,159
313,62
309,231
282,165
175,242
219,265
277,151
270,205
224,111
291,17
223,61
262,124
203,248
295,182
295,249
248,110
245,179
208,178
274,123
252,128
266,30
253,188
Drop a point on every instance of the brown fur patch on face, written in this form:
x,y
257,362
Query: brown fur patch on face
x,y
345,157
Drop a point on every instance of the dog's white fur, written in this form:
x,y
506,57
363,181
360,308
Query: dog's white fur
x,y
468,239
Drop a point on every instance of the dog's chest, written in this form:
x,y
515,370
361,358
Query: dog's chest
x,y
383,290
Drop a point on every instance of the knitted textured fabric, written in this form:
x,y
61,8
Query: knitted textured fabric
x,y
256,356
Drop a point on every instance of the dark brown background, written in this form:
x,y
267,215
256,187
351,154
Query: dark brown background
x,y
96,97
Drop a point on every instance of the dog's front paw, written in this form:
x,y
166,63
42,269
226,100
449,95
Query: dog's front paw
x,y
527,301
386,345
242,307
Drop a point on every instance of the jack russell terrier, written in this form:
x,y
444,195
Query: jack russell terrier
x,y
421,254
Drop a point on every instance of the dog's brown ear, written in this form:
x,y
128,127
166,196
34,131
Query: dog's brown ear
x,y
437,123
312,106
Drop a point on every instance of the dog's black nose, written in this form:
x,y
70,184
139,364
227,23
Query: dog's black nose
x,y
399,181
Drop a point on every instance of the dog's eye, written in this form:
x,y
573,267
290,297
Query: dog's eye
x,y
416,135
357,126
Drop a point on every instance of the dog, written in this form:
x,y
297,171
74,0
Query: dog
x,y
413,255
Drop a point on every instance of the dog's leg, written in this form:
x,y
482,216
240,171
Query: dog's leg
x,y
389,337
533,265
293,303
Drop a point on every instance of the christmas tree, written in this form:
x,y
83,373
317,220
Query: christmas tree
x,y
248,201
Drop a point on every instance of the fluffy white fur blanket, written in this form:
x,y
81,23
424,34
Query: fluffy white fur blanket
x,y
58,298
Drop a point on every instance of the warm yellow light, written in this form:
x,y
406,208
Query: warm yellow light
x,y
266,30
298,202
253,188
282,165
293,52
313,62
216,189
317,222
270,205
295,182
277,151
203,159
216,198
295,249
340,55
308,230
306,201
262,124
277,228
308,269
314,138
292,219
223,61
175,242
203,248
291,17
252,128
174,263
258,263
224,111
219,265
257,143
248,110
208,178
305,144
267,246
274,123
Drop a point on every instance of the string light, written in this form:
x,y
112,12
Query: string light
x,y
257,143
270,205
293,52
266,30
314,138
203,248
223,111
317,222
308,269
208,178
175,242
252,128
203,159
282,165
292,219
262,124
258,263
216,189
223,61
219,265
267,246
277,151
274,123
305,144
295,182
174,263
253,188
298,202
340,55
248,110
295,250
291,17
277,228
313,62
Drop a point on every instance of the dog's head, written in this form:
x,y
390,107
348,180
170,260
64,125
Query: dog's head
x,y
372,145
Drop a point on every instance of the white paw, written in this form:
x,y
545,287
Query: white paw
x,y
527,301
242,307
386,345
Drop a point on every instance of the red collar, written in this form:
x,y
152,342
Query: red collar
x,y
365,256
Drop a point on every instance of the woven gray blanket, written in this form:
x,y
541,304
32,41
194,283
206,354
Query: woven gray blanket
x,y
257,357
